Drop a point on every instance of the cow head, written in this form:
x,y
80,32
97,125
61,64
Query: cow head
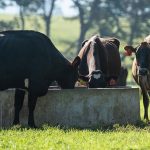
x,y
142,53
90,69
71,75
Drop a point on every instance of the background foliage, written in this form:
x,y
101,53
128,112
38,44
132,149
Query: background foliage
x,y
127,20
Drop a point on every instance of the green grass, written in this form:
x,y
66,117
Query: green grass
x,y
118,137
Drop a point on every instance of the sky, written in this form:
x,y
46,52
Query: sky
x,y
65,6
67,9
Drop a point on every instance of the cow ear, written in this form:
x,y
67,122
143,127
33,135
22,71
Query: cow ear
x,y
76,62
116,42
83,43
144,44
129,50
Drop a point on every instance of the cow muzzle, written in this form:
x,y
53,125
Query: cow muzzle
x,y
97,80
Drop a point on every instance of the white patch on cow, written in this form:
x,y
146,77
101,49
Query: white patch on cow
x,y
93,38
147,39
26,81
1,35
96,76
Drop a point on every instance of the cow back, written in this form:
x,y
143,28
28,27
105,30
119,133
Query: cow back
x,y
29,53
113,59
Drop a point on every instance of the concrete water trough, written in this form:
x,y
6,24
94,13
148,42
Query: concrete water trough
x,y
80,107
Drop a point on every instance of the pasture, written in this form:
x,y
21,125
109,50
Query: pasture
x,y
46,137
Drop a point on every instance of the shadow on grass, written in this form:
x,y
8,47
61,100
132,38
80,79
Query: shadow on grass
x,y
140,125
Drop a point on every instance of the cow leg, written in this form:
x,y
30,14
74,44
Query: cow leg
x,y
36,89
32,99
146,104
19,98
145,100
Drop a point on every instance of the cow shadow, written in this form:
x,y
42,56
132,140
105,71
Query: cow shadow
x,y
140,125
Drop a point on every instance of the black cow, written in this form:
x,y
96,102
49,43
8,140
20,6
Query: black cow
x,y
141,69
100,61
31,55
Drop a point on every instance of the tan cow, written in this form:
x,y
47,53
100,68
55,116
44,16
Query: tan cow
x,y
141,69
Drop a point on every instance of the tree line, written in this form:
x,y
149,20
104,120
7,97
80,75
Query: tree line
x,y
125,19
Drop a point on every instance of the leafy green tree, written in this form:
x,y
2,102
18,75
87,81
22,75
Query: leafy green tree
x,y
9,25
136,16
138,13
87,11
45,9
2,4
108,19
127,20
23,8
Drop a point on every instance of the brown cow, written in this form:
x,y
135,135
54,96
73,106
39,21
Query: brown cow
x,y
122,79
100,61
141,69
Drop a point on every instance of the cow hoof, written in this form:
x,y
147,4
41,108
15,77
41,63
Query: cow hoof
x,y
15,123
32,126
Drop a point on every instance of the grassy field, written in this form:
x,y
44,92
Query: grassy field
x,y
129,137
64,35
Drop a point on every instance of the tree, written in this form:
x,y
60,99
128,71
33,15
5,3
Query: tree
x,y
2,4
9,25
45,9
137,15
86,9
48,7
108,19
23,8
139,19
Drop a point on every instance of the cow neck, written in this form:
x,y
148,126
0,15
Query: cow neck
x,y
61,59
136,50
